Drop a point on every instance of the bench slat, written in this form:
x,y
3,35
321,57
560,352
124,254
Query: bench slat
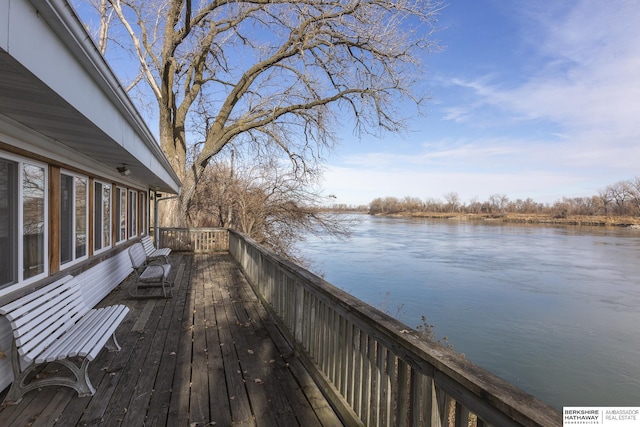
x,y
151,250
88,336
48,330
61,302
61,347
26,299
113,320
37,329
90,331
156,272
162,252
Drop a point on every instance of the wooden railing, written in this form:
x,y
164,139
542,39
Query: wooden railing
x,y
198,240
375,370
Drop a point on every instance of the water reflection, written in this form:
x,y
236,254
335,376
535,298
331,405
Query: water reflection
x,y
554,310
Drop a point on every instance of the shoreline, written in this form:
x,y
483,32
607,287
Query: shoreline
x,y
584,220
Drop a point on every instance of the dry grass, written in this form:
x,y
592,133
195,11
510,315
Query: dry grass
x,y
615,221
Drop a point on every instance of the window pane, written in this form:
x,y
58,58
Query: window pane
x,y
106,217
34,220
8,222
81,216
133,213
143,213
122,198
66,218
97,216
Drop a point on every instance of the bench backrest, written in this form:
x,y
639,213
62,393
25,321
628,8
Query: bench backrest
x,y
138,255
148,245
40,317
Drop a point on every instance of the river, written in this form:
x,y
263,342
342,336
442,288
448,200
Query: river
x,y
553,310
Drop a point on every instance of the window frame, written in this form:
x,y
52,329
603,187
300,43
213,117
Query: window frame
x,y
99,221
144,209
74,221
132,214
18,244
121,221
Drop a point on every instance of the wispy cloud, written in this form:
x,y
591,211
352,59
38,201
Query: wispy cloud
x,y
561,122
589,73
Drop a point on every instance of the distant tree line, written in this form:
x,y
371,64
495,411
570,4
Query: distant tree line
x,y
619,199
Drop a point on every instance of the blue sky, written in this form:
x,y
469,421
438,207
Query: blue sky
x,y
536,99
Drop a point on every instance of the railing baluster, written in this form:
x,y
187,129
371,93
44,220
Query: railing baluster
x,y
389,377
370,379
349,370
340,354
462,415
402,401
357,371
416,396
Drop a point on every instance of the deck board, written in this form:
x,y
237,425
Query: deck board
x,y
210,355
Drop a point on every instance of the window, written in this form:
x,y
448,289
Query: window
x,y
143,213
121,211
73,217
102,216
23,220
133,213
8,222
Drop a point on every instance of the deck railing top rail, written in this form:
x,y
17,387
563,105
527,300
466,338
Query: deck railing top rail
x,y
198,240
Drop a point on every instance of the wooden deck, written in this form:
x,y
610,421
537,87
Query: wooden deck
x,y
208,356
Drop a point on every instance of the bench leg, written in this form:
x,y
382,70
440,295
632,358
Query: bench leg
x,y
112,344
164,283
133,289
19,388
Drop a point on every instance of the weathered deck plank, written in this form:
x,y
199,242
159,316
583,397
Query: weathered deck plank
x,y
208,355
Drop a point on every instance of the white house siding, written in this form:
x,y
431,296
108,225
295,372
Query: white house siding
x,y
98,281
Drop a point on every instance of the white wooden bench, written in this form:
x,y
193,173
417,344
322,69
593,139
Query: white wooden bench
x,y
148,272
153,252
53,324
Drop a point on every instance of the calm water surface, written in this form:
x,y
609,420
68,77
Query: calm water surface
x,y
553,310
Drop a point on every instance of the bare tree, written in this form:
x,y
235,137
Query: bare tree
x,y
276,73
453,201
619,193
271,205
498,202
634,194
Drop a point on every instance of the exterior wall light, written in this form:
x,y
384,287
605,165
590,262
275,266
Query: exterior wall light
x,y
123,170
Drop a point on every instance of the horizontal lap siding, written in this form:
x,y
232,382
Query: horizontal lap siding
x,y
5,348
98,281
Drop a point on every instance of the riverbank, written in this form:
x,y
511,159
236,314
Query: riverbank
x,y
612,221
